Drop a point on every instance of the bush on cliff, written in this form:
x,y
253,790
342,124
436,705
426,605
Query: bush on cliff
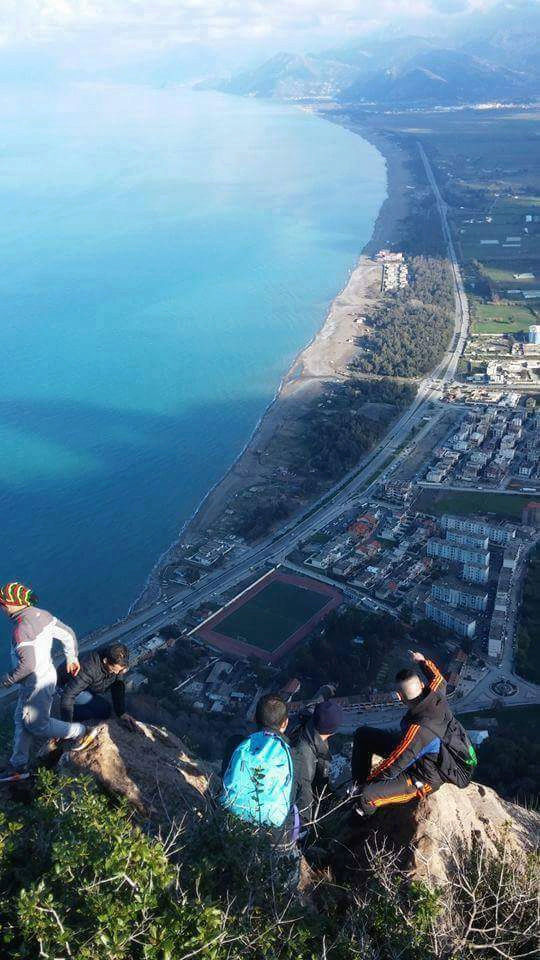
x,y
79,879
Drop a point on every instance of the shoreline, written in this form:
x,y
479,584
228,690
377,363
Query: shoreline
x,y
325,359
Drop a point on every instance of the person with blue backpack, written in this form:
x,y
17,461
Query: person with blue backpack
x,y
258,775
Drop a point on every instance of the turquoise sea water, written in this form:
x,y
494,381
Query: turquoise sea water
x,y
164,254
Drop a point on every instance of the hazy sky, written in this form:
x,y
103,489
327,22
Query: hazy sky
x,y
117,33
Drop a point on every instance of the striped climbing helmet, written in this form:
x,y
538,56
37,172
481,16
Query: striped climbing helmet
x,y
17,595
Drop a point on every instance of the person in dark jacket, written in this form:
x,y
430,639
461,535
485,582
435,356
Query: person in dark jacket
x,y
311,756
411,764
100,671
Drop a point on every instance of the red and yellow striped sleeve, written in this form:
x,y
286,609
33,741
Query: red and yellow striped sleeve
x,y
401,757
433,674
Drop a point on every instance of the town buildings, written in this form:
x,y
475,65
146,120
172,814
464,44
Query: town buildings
x,y
489,447
452,591
461,622
446,550
531,514
477,526
395,271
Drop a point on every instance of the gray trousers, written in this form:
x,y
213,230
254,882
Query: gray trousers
x,y
33,720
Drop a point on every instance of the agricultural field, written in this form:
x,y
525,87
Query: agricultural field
x,y
509,233
523,277
498,153
501,318
504,505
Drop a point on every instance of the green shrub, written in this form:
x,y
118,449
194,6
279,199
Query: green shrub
x,y
80,880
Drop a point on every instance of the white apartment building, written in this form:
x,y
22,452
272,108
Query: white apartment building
x,y
458,594
464,624
453,551
474,573
497,533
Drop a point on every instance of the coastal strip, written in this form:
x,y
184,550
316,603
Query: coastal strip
x,y
323,362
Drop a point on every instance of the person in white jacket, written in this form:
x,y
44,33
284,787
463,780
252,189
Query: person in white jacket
x,y
33,670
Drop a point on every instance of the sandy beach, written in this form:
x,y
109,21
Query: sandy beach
x,y
324,361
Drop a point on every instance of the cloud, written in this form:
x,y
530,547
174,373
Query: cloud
x,y
167,21
197,36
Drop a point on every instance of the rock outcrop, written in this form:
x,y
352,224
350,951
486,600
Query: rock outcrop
x,y
433,834
163,781
151,768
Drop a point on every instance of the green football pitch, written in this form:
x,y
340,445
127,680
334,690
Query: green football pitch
x,y
272,615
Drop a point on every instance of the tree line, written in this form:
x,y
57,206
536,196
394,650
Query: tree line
x,y
350,652
335,438
509,760
528,653
410,330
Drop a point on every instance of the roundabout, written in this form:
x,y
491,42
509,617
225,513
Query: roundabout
x,y
504,688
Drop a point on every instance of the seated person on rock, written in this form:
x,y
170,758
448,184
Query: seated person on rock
x,y
311,757
82,695
431,749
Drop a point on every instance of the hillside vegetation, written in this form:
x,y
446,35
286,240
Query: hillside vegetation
x,y
528,645
96,885
494,57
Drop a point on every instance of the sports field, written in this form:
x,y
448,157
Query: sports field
x,y
270,617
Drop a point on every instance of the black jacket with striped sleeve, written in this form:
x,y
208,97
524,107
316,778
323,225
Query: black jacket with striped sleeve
x,y
424,727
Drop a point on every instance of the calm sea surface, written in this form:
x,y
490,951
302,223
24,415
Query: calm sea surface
x,y
164,254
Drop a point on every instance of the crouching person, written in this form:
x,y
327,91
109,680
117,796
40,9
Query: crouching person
x,y
311,758
431,749
33,670
100,672
258,778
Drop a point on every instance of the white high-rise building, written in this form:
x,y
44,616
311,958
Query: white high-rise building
x,y
464,624
534,334
475,574
477,541
458,594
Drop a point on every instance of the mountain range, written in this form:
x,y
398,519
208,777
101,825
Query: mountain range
x,y
494,57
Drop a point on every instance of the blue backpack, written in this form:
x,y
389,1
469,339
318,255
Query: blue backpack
x,y
257,784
